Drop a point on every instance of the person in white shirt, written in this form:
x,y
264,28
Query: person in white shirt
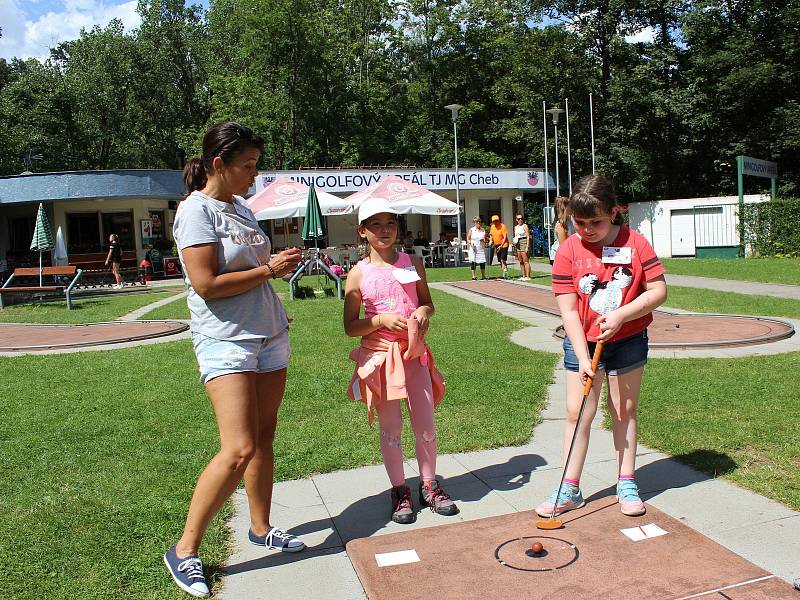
x,y
476,247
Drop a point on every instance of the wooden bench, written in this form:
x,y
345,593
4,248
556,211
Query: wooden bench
x,y
64,278
93,265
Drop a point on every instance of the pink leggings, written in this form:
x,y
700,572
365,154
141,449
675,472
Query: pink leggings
x,y
420,409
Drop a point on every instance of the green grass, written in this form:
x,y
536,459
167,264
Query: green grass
x,y
84,310
99,464
730,417
711,301
765,270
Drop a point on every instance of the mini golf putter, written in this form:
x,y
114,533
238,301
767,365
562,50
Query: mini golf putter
x,y
552,522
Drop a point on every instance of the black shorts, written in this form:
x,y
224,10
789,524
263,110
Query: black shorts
x,y
502,253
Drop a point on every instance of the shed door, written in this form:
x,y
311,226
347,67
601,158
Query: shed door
x,y
682,228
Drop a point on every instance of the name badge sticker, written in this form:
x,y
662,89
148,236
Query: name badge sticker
x,y
406,275
616,256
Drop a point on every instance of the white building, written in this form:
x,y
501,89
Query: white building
x,y
700,227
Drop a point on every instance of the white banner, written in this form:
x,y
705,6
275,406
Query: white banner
x,y
759,168
434,179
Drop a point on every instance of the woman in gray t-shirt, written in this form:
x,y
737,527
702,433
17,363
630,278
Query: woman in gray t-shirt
x,y
240,337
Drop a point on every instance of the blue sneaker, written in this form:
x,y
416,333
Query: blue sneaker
x,y
570,499
628,497
187,573
278,539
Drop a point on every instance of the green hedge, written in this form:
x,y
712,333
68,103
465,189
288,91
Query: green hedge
x,y
773,228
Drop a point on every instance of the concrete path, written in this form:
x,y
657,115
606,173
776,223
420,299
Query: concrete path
x,y
331,509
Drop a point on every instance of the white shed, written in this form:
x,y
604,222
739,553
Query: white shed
x,y
701,227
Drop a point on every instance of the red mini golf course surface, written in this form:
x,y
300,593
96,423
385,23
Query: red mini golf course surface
x,y
18,337
588,558
667,330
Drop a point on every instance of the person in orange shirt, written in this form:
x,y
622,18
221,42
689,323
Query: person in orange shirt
x,y
499,233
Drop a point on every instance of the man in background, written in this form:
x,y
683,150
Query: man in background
x,y
499,234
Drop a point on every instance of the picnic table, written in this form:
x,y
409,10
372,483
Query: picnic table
x,y
64,279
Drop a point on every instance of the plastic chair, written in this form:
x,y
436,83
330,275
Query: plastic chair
x,y
450,255
424,254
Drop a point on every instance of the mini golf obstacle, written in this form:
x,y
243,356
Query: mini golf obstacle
x,y
599,553
33,337
668,330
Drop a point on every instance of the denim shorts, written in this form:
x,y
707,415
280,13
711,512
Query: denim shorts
x,y
619,357
222,357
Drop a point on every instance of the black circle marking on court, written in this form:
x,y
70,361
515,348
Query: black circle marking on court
x,y
527,563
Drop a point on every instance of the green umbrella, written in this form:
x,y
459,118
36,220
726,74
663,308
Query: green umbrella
x,y
313,224
42,237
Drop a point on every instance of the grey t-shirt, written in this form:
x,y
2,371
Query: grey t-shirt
x,y
241,245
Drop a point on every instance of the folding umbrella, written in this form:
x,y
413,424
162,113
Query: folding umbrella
x,y
313,225
314,229
406,197
42,237
60,255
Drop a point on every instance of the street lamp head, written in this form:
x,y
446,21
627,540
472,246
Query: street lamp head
x,y
555,113
454,108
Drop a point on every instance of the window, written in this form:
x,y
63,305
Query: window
x,y
120,223
20,233
83,233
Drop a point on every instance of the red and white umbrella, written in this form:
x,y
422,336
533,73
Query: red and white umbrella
x,y
405,197
285,198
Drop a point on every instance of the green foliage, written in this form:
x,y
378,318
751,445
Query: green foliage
x,y
365,82
773,228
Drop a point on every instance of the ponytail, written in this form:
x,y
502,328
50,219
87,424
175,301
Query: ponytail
x,y
194,175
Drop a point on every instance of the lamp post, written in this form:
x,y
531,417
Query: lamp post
x,y
556,113
454,108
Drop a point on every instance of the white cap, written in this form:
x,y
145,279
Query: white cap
x,y
373,206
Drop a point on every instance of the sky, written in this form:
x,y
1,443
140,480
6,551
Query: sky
x,y
32,27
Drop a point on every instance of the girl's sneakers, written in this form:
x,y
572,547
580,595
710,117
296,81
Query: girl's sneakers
x,y
628,497
433,496
277,539
187,573
569,499
402,507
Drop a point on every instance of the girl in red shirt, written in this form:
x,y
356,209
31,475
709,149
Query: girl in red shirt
x,y
607,281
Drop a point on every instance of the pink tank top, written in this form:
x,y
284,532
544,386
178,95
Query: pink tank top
x,y
381,292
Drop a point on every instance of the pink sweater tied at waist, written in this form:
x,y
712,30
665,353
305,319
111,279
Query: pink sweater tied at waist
x,y
378,355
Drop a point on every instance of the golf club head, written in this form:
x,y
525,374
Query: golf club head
x,y
551,523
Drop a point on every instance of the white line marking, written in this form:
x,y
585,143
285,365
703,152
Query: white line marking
x,y
727,587
402,557
643,532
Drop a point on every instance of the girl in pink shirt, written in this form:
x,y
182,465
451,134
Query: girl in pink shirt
x,y
393,362
607,281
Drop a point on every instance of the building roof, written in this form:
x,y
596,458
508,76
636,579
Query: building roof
x,y
80,185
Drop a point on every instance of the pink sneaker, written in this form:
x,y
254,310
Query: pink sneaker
x,y
628,497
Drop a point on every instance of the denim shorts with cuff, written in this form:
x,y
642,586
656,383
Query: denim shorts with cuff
x,y
619,357
223,357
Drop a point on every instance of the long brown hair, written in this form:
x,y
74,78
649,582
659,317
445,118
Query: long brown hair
x,y
594,194
225,140
561,205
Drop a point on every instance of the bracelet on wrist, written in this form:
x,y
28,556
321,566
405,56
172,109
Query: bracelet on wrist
x,y
271,270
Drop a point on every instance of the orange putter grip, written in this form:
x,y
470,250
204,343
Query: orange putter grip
x,y
598,350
